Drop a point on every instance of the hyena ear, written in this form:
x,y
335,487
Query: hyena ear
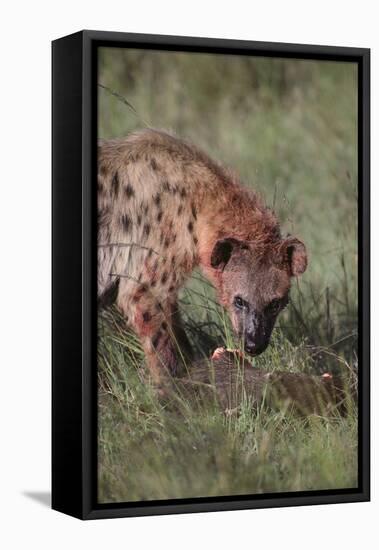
x,y
296,256
222,252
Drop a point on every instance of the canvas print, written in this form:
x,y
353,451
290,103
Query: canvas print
x,y
227,275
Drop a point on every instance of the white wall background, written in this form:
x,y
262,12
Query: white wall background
x,y
27,29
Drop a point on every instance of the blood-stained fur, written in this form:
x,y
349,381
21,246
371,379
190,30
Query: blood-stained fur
x,y
165,207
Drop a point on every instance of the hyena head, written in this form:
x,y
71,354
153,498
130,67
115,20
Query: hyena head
x,y
254,288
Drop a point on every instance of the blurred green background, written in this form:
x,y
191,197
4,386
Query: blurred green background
x,y
289,128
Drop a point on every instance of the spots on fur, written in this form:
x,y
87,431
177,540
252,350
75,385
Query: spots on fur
x,y
126,222
129,191
146,316
187,262
156,339
146,229
166,186
195,241
190,226
139,219
193,210
142,289
153,164
159,216
115,184
183,193
135,157
166,242
103,169
164,278
180,209
157,199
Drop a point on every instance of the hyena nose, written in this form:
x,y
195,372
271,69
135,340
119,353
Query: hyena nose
x,y
255,348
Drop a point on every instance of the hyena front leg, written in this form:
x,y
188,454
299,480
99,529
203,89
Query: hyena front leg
x,y
160,354
153,323
168,348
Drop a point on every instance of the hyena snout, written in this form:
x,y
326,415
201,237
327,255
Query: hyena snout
x,y
257,333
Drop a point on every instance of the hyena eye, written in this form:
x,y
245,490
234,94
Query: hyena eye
x,y
275,306
240,303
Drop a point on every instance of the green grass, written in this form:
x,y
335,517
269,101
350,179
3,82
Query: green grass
x,y
289,128
188,447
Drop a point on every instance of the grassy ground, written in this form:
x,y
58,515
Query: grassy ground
x,y
289,128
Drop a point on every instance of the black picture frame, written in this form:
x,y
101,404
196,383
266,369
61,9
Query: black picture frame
x,y
74,416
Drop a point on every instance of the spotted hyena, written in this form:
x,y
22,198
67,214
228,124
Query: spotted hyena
x,y
165,207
